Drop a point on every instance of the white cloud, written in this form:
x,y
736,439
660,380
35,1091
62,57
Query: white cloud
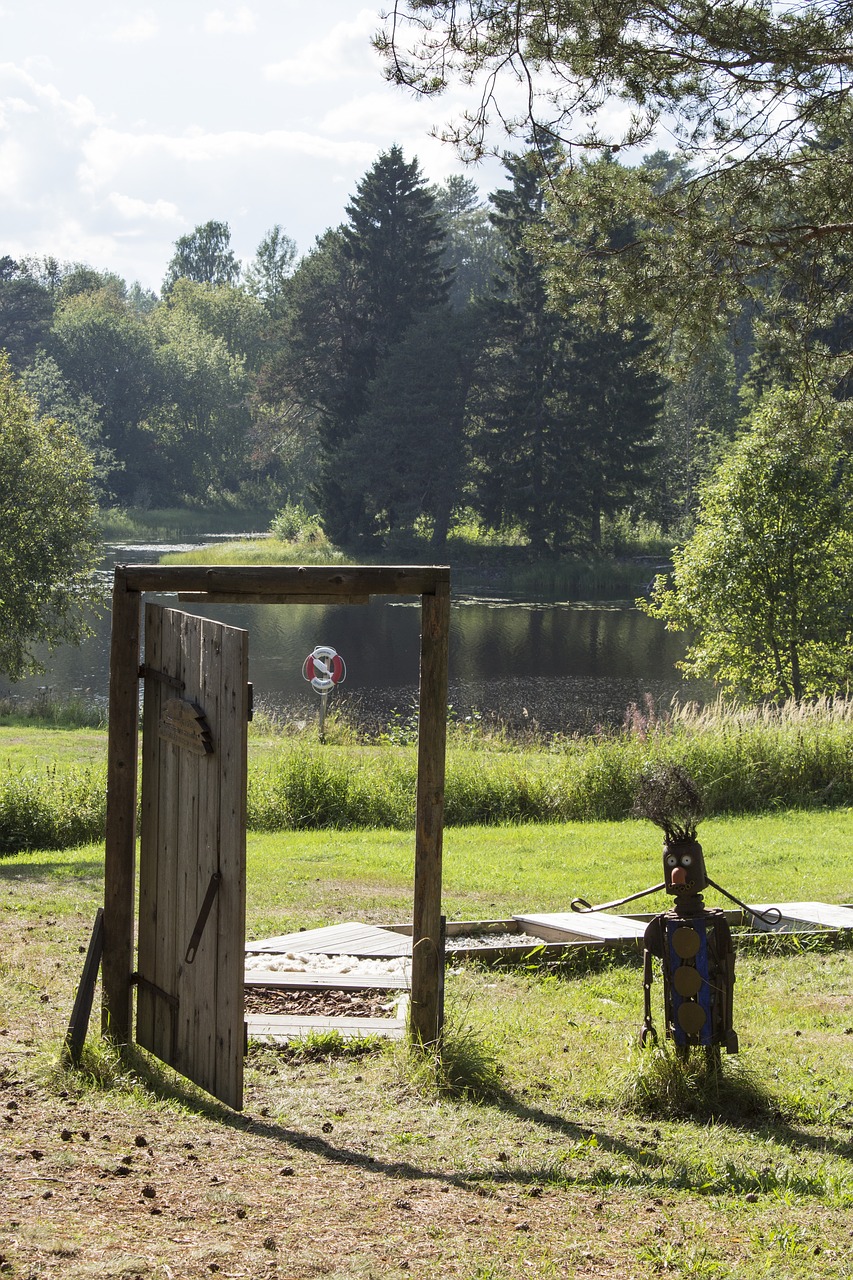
x,y
141,27
343,51
88,179
131,208
375,113
242,22
12,169
108,152
22,93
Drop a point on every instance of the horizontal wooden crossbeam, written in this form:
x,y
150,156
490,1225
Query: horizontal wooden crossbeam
x,y
291,581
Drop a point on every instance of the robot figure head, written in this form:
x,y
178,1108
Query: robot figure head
x,y
684,868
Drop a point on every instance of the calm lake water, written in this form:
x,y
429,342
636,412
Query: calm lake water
x,y
564,665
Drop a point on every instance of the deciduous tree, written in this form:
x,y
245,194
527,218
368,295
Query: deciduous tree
x,y
48,536
764,585
268,274
204,255
26,311
107,352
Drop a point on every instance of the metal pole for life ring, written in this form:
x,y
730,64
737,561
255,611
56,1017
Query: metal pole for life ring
x,y
325,669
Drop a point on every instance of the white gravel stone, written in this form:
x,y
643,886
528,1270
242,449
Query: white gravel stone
x,y
315,962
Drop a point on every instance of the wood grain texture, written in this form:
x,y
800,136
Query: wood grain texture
x,y
120,842
289,580
427,951
190,1007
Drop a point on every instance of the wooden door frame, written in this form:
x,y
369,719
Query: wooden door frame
x,y
273,584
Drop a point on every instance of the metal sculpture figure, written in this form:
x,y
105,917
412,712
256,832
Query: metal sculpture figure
x,y
692,942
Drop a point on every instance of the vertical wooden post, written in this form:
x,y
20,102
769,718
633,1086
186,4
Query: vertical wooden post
x,y
120,854
427,957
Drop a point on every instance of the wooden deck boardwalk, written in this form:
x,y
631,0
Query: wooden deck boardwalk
x,y
349,939
811,914
293,980
576,926
558,930
279,1027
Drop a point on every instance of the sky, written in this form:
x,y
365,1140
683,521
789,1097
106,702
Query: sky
x,y
124,126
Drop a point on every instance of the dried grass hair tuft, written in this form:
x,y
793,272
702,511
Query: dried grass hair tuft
x,y
668,797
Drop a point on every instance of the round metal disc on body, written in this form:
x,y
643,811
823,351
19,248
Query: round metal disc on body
x,y
686,943
687,981
691,1018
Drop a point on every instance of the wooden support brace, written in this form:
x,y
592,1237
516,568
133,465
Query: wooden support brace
x,y
79,1024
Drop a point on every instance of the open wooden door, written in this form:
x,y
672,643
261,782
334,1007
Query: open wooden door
x,y
192,885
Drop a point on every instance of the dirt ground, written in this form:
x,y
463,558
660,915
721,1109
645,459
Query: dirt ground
x,y
329,1171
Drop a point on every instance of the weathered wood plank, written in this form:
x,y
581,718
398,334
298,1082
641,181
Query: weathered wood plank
x,y
296,1026
559,926
798,913
148,843
427,953
335,580
231,917
204,993
326,981
166,1015
120,844
348,938
193,873
243,597
78,1025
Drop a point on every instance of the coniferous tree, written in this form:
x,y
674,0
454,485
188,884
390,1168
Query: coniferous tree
x,y
353,299
616,397
395,239
409,454
473,247
522,428
566,402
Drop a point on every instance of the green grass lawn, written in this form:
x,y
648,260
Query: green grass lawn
x,y
314,878
373,1166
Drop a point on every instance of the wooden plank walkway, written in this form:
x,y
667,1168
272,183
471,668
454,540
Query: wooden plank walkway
x,y
349,939
295,981
796,914
569,926
280,1027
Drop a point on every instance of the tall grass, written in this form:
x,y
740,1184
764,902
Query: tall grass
x,y
52,810
144,524
260,551
743,760
46,711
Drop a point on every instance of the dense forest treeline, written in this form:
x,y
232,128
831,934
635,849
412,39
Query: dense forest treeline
x,y
438,361
409,367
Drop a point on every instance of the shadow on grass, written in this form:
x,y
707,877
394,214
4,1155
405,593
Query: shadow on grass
x,y
594,1158
78,869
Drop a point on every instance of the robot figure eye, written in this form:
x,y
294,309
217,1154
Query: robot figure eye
x,y
672,861
687,860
